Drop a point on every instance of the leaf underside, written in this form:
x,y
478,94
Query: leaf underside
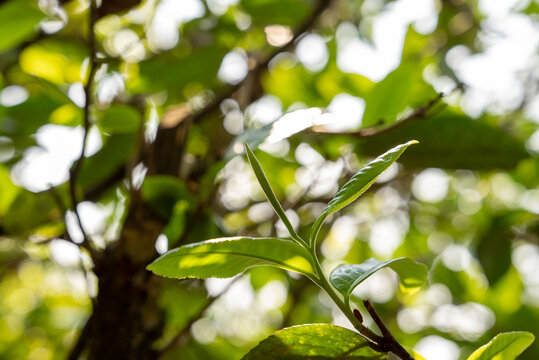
x,y
227,257
346,277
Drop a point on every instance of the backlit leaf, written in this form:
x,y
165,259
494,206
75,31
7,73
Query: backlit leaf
x,y
346,277
359,183
316,341
227,257
263,181
504,346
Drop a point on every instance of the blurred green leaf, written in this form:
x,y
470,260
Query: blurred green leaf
x,y
176,223
283,12
227,257
347,277
494,246
113,156
263,181
8,190
504,346
29,116
120,119
55,60
358,184
30,210
450,140
199,67
163,192
317,341
18,21
68,114
404,87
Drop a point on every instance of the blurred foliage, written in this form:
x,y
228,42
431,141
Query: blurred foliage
x,y
464,201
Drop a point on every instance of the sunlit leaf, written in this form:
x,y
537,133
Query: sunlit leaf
x,y
54,60
8,190
504,346
359,183
263,181
317,341
68,114
227,257
346,277
18,21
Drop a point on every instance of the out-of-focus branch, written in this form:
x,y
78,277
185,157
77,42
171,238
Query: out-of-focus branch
x,y
77,165
422,112
260,65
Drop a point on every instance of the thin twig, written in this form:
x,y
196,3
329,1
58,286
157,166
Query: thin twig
x,y
420,113
77,165
389,343
229,92
184,332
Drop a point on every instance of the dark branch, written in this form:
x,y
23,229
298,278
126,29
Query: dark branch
x,y
420,113
389,342
77,165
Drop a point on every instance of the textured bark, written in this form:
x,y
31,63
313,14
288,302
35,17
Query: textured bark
x,y
126,320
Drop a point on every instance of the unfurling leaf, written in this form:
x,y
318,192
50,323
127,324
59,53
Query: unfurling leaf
x,y
358,184
227,257
346,277
504,346
264,183
317,341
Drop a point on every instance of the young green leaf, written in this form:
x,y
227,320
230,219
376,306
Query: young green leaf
x,y
358,184
504,346
317,341
227,257
264,183
346,277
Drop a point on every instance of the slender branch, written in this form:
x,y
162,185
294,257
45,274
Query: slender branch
x,y
184,332
229,92
390,343
77,165
420,113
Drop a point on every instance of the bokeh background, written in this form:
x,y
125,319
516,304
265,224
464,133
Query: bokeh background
x,y
465,201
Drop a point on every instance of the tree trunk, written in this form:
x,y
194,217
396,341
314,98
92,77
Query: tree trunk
x,y
126,320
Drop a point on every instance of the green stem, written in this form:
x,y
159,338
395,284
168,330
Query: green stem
x,y
322,282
